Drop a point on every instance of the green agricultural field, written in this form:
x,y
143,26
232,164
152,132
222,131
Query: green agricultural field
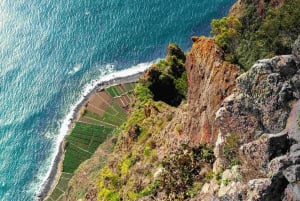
x,y
61,187
114,91
114,115
86,136
129,86
81,143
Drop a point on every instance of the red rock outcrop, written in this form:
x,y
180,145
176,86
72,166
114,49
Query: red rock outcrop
x,y
210,80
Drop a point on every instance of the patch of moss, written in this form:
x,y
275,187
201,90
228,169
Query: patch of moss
x,y
147,151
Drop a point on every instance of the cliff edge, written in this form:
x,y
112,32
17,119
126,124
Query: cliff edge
x,y
210,80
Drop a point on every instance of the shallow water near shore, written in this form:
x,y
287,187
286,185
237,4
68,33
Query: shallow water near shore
x,y
52,50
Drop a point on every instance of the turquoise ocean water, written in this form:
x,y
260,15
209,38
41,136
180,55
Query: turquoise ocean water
x,y
51,50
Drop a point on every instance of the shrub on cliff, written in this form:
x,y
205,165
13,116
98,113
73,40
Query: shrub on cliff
x,y
274,35
167,80
163,88
263,31
231,150
175,51
228,32
184,169
142,92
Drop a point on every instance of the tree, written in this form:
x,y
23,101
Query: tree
x,y
227,31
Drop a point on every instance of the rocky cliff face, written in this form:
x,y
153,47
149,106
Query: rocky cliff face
x,y
263,114
210,80
251,119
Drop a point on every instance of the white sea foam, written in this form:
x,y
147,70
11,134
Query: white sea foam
x,y
75,69
107,73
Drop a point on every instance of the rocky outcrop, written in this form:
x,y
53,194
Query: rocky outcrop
x,y
263,98
264,112
210,80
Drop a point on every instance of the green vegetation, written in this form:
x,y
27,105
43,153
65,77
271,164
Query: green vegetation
x,y
197,186
150,189
256,36
231,150
114,91
167,79
61,187
81,143
135,151
129,86
228,33
113,115
181,175
143,93
107,182
126,164
86,136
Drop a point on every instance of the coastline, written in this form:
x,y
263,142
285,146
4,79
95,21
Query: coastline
x,y
56,166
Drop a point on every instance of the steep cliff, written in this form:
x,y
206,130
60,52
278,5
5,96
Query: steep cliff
x,y
266,134
201,128
210,80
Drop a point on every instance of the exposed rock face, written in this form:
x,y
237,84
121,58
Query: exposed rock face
x,y
266,100
210,80
261,102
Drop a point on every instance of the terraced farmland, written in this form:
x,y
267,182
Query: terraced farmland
x,y
105,111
